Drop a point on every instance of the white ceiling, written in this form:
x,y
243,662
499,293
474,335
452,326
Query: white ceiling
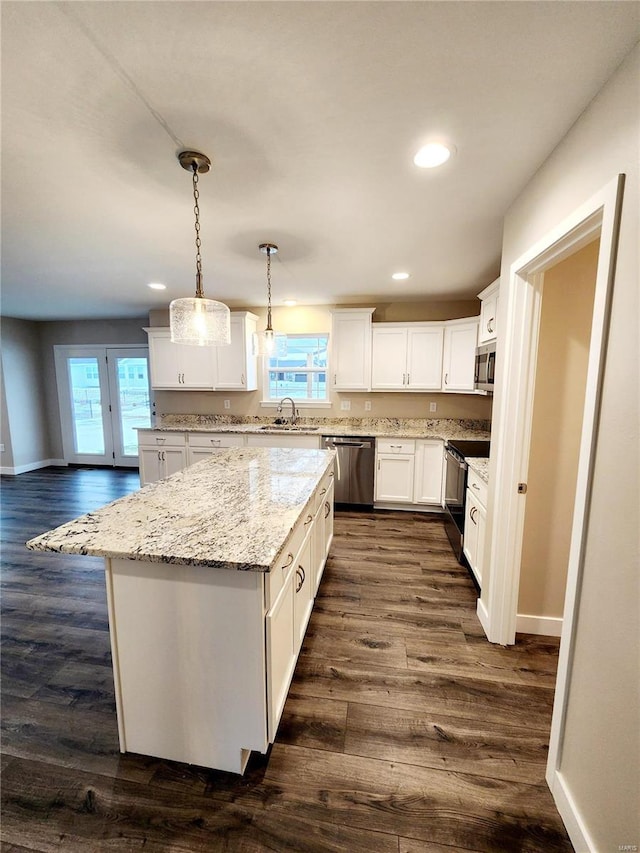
x,y
311,111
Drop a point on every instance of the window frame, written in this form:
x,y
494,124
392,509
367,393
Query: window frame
x,y
267,402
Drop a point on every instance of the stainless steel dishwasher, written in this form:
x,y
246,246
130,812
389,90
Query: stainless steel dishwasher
x,y
354,469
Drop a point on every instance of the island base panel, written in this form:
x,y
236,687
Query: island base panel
x,y
189,662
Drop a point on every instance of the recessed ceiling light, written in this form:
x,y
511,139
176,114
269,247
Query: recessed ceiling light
x,y
400,276
155,285
290,302
432,155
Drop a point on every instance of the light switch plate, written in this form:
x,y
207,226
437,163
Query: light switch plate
x,y
367,405
433,407
345,405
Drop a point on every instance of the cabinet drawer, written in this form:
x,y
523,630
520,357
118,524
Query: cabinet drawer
x,y
275,579
209,439
477,487
395,445
161,438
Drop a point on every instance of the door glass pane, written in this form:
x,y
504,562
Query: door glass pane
x,y
86,408
134,409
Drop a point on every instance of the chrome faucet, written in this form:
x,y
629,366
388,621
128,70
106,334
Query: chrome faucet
x,y
294,412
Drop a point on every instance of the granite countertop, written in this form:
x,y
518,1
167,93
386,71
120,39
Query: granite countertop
x,y
481,466
233,511
441,428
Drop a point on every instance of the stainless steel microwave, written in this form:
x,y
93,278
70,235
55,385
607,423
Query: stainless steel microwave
x,y
485,367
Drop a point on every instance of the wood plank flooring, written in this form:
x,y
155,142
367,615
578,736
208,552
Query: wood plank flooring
x,y
404,730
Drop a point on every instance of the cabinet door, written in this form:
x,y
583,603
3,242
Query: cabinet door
x,y
460,357
174,459
328,519
424,358
303,592
351,350
488,319
198,367
318,553
388,358
151,468
237,367
481,518
428,473
394,478
470,537
177,367
281,657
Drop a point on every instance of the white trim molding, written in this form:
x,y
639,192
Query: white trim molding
x,y
571,817
544,626
32,466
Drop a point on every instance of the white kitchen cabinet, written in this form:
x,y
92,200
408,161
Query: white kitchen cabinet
x,y
202,445
459,358
488,330
350,344
475,524
177,366
303,590
395,467
428,472
237,368
160,454
280,652
322,533
406,357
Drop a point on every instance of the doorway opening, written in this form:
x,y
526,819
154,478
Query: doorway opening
x,y
104,397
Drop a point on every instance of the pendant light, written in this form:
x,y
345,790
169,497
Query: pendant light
x,y
264,343
195,320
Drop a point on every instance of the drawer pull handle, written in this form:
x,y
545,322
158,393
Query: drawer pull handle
x,y
323,492
475,486
215,442
160,440
308,520
288,563
327,509
300,574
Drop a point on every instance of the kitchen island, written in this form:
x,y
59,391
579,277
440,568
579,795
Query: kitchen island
x,y
211,576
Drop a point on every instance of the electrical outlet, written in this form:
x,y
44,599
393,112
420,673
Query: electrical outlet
x,y
227,404
367,405
1,448
433,407
345,405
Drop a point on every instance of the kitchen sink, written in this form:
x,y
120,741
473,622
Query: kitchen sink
x,y
289,428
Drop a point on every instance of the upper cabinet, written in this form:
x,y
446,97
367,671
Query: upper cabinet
x,y
489,313
460,341
406,357
351,349
178,367
237,367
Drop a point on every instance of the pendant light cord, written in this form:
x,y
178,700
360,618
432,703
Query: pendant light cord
x,y
269,289
196,210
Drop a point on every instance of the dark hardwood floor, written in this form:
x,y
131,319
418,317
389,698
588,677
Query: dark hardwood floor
x,y
404,729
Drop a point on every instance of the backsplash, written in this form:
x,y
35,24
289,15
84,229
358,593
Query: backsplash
x,y
379,424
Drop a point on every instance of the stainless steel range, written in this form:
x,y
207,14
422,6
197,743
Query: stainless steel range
x,y
456,454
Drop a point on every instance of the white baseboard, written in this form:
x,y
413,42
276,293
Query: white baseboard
x,y
483,616
571,817
546,626
31,466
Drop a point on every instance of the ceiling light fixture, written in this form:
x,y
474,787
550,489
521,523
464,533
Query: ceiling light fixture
x,y
155,285
195,320
432,155
264,343
400,276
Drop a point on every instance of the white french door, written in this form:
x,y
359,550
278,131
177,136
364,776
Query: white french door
x,y
104,396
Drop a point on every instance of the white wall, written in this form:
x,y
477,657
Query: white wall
x,y
24,393
599,758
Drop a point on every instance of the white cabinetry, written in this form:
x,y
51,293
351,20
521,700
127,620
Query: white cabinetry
x,y
322,529
204,444
428,471
395,465
406,357
351,349
489,313
237,367
178,366
475,523
460,341
161,454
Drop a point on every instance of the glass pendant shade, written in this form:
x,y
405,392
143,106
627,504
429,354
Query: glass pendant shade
x,y
264,342
197,321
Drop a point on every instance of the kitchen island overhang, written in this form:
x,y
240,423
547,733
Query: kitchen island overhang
x,y
211,576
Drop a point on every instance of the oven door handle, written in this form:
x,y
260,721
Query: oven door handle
x,y
452,458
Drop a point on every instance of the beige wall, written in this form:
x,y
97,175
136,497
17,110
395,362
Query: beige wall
x,y
561,375
599,758
6,455
318,319
24,393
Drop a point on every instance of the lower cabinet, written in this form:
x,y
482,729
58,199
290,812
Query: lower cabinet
x,y
428,471
409,471
160,454
475,522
